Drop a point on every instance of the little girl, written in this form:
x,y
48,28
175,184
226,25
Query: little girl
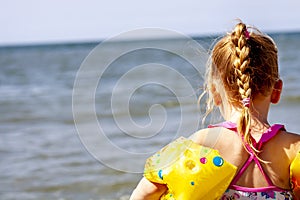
x,y
242,80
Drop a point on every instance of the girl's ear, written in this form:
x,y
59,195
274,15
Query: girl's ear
x,y
276,93
216,96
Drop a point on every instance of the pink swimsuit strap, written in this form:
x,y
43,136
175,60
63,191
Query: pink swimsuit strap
x,y
266,136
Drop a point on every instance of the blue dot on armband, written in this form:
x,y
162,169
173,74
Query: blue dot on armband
x,y
218,161
160,174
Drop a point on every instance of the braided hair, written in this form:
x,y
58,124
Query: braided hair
x,y
241,62
246,65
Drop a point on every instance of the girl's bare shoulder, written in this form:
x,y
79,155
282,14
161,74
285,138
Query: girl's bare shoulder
x,y
211,136
290,141
290,137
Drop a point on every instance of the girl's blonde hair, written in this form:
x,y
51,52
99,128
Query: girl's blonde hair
x,y
246,64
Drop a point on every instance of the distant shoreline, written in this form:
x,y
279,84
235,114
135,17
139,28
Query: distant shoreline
x,y
94,42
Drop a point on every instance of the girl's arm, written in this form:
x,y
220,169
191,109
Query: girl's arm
x,y
148,190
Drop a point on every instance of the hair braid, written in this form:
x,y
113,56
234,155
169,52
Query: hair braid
x,y
246,65
241,62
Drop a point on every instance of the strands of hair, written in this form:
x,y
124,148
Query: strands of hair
x,y
245,64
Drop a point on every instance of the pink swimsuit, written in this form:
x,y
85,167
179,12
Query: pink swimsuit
x,y
271,191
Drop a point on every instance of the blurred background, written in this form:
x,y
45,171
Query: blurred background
x,y
44,43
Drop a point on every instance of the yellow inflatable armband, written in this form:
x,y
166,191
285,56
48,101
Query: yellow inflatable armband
x,y
295,174
190,171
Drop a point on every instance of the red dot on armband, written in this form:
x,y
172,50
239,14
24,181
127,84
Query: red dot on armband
x,y
203,160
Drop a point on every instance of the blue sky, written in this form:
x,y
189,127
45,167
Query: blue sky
x,y
40,21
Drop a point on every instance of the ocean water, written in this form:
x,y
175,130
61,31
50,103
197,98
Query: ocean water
x,y
78,120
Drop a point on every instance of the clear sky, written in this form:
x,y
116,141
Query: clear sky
x,y
40,21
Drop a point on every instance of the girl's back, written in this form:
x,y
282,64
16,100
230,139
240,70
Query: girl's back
x,y
277,155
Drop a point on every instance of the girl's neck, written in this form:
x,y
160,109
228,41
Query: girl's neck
x,y
259,110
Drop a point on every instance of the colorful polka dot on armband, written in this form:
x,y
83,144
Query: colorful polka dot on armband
x,y
218,161
160,174
203,160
